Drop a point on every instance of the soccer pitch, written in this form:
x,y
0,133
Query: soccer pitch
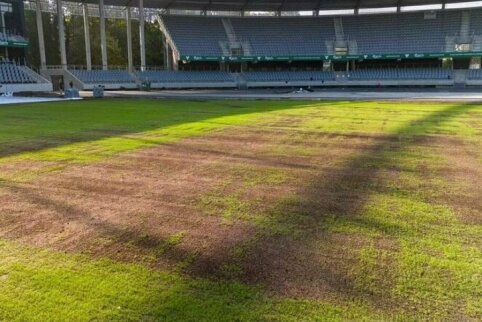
x,y
240,210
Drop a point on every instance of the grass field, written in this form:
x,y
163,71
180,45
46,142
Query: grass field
x,y
240,211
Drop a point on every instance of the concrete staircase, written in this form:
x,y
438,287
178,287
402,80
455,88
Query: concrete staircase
x,y
465,26
450,42
460,77
233,41
339,33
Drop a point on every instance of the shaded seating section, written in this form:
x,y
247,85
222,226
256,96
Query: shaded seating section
x,y
104,76
475,74
413,32
285,36
167,76
289,76
10,73
401,74
405,33
196,35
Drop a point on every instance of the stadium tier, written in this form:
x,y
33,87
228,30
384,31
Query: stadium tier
x,y
17,78
401,74
206,79
475,74
289,76
185,76
196,35
104,76
10,73
417,32
423,48
84,79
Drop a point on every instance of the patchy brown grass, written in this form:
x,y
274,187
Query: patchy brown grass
x,y
130,207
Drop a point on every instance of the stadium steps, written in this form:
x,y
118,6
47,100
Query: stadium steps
x,y
339,33
330,47
465,25
460,77
32,74
450,42
228,28
353,47
240,81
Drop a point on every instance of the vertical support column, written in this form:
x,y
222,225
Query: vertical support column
x,y
130,64
60,17
168,56
103,39
41,39
141,35
88,55
164,54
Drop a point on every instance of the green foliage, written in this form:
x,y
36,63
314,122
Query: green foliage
x,y
75,41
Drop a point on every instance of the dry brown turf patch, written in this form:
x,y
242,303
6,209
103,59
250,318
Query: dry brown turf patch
x,y
144,206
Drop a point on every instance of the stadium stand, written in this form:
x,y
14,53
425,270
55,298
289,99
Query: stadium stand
x,y
196,35
273,36
185,76
289,50
10,73
103,76
289,76
17,78
475,74
401,74
404,33
300,36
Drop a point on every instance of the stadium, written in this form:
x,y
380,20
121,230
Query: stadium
x,y
252,160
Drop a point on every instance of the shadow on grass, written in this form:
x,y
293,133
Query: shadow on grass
x,y
316,261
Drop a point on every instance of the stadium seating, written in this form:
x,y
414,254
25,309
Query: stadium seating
x,y
400,74
196,35
285,36
405,33
185,76
475,74
301,36
10,73
104,76
289,76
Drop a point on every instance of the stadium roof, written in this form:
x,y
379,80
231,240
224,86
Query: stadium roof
x,y
270,5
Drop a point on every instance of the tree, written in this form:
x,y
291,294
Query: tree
x,y
75,43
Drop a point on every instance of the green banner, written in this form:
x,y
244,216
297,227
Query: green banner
x,y
194,58
12,43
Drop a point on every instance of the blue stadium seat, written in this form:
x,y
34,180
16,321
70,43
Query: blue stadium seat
x,y
289,76
185,76
104,76
10,73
